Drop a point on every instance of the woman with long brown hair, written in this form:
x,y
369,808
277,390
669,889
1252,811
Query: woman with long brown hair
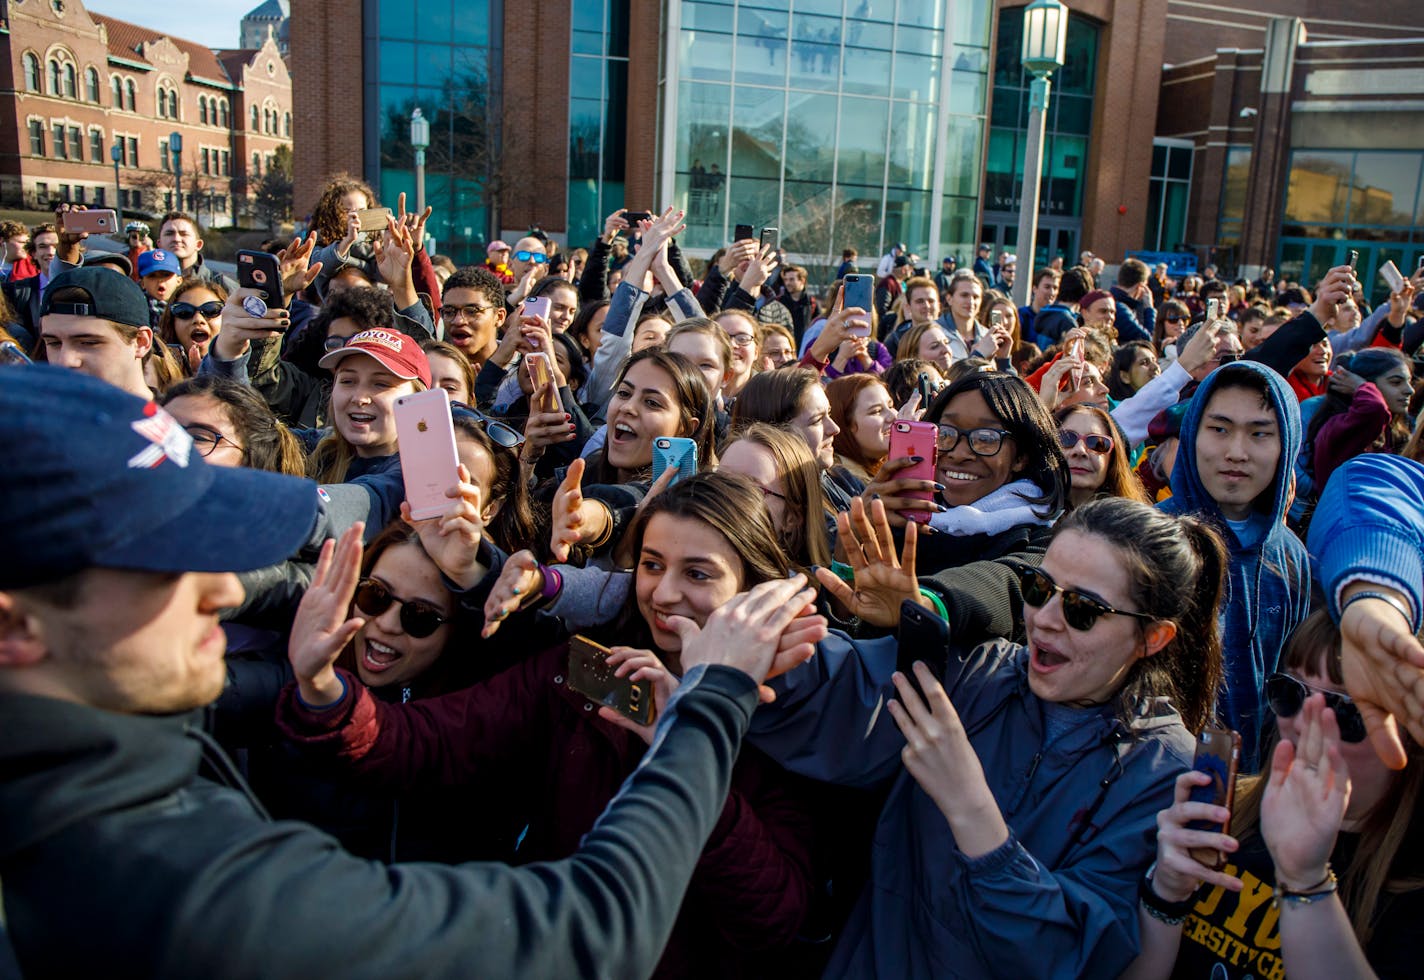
x,y
1097,457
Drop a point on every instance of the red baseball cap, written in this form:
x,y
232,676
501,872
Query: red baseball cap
x,y
396,352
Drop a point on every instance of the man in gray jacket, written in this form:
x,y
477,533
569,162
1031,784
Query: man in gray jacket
x,y
129,844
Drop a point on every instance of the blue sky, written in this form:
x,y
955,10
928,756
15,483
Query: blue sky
x,y
212,23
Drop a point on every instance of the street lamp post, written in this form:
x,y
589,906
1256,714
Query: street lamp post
x,y
116,154
419,140
175,144
1045,30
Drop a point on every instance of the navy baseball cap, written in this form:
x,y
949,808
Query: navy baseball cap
x,y
96,478
112,296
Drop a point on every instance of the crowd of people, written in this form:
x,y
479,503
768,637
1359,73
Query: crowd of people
x,y
911,716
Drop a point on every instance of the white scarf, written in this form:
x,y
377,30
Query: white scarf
x,y
1006,507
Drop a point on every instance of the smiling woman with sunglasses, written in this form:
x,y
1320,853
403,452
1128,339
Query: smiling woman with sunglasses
x,y
1329,832
1046,763
1097,460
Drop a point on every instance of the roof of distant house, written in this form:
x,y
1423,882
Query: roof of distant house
x,y
127,41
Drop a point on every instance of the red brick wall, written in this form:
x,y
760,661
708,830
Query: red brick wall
x,y
326,69
36,28
534,166
644,34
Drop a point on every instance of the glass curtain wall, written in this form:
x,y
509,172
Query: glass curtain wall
x,y
838,121
1167,194
436,55
1367,200
598,115
1070,121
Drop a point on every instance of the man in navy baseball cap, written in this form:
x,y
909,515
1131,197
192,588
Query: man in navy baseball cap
x,y
96,321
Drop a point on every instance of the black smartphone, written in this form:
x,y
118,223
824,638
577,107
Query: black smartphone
x,y
745,233
261,271
1218,754
591,676
771,237
926,389
633,217
923,636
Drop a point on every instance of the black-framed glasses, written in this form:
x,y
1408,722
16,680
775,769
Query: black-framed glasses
x,y
1102,445
469,312
207,439
418,618
1080,610
1286,695
335,343
186,311
982,442
768,492
538,258
501,434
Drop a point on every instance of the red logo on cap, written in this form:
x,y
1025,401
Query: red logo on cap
x,y
170,440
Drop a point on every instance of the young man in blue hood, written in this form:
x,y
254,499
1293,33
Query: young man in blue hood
x,y
1239,439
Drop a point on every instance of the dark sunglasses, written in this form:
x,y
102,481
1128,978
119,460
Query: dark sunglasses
x,y
502,435
417,617
1174,319
538,258
1080,610
1102,445
1286,696
186,311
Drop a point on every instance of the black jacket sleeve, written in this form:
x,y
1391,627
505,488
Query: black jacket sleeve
x,y
679,264
593,281
1285,348
713,291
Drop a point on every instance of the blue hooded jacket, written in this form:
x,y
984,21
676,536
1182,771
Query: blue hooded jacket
x,y
1268,593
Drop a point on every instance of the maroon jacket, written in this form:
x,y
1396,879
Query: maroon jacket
x,y
1347,435
753,884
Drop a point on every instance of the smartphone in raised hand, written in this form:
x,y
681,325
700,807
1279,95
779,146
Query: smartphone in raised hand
x,y
260,271
915,439
1218,754
98,222
589,674
541,376
679,451
535,306
373,219
1392,276
859,291
770,237
743,233
430,463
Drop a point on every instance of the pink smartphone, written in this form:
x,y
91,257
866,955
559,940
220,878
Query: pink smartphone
x,y
430,464
540,374
100,222
1075,354
535,306
915,439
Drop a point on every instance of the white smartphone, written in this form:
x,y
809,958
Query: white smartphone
x,y
1392,276
430,463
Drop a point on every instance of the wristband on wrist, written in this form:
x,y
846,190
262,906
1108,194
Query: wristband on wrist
x,y
1368,594
937,603
1319,891
553,584
1169,913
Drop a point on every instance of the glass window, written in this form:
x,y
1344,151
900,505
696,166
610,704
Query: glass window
x,y
53,77
432,18
118,89
757,117
912,145
861,153
865,71
963,145
133,151
1318,189
96,146
814,66
130,94
810,137
91,84
1384,188
70,86
1233,189
37,138
703,119
164,158
807,210
472,23
32,72
917,78
761,46
59,145
397,63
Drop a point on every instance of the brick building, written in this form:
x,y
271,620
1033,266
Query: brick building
x,y
81,85
843,123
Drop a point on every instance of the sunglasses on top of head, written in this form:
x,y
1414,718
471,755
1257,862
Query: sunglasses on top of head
x,y
502,435
1080,610
1286,695
418,618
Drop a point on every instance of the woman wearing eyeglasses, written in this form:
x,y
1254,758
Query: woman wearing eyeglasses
x,y
1322,876
1097,461
193,317
1023,789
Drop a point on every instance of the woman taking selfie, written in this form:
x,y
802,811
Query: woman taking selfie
x,y
1023,789
1322,874
698,545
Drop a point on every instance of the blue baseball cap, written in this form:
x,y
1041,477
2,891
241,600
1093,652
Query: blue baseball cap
x,y
157,260
96,478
